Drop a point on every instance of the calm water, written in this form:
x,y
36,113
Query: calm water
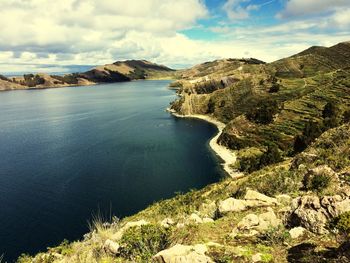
x,y
67,153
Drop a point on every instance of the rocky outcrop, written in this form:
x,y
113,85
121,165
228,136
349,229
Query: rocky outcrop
x,y
181,253
314,213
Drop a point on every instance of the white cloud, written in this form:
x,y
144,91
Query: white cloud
x,y
234,10
296,8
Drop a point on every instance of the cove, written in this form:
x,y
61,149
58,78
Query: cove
x,y
69,153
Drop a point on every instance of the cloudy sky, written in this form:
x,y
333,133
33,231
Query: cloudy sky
x,y
65,35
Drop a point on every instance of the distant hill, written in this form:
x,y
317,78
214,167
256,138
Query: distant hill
x,y
313,60
118,71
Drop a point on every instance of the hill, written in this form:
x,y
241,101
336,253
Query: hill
x,y
116,72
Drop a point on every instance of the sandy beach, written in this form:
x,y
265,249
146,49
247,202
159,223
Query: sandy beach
x,y
227,155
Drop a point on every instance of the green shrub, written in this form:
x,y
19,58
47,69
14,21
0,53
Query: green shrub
x,y
310,132
274,88
316,182
342,223
274,235
264,112
330,110
272,155
346,116
141,243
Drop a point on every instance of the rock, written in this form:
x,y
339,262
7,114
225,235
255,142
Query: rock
x,y
296,232
342,207
257,257
231,205
256,196
208,220
308,212
181,253
267,220
208,210
167,222
248,222
195,218
111,247
260,222
180,225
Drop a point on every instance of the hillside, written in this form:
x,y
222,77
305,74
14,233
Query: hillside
x,y
289,128
116,72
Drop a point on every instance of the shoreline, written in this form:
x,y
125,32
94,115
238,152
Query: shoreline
x,y
225,154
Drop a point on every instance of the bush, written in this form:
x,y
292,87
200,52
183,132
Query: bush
x,y
141,243
330,110
346,116
343,223
274,235
316,182
311,131
264,112
274,88
272,155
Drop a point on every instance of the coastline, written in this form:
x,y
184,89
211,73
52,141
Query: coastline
x,y
226,155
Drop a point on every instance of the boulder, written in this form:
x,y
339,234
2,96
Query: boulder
x,y
308,212
249,221
167,222
260,222
297,232
257,257
231,205
260,199
195,218
181,253
111,247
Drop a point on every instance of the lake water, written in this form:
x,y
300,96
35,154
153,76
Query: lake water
x,y
69,153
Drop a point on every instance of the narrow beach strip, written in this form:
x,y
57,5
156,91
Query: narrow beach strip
x,y
227,155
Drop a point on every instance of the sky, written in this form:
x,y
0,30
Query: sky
x,y
72,35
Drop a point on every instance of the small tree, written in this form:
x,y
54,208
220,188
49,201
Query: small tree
x,y
272,155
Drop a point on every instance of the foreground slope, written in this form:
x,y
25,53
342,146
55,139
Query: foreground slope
x,y
116,72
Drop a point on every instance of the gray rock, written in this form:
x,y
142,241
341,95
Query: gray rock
x,y
181,254
111,247
232,205
260,198
297,232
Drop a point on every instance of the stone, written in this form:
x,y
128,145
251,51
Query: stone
x,y
257,257
231,205
181,253
180,225
248,222
260,222
267,220
256,196
195,218
296,232
111,247
308,212
167,222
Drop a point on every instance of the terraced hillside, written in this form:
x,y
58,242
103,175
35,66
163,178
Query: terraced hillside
x,y
264,109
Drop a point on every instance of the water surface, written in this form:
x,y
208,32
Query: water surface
x,y
68,153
